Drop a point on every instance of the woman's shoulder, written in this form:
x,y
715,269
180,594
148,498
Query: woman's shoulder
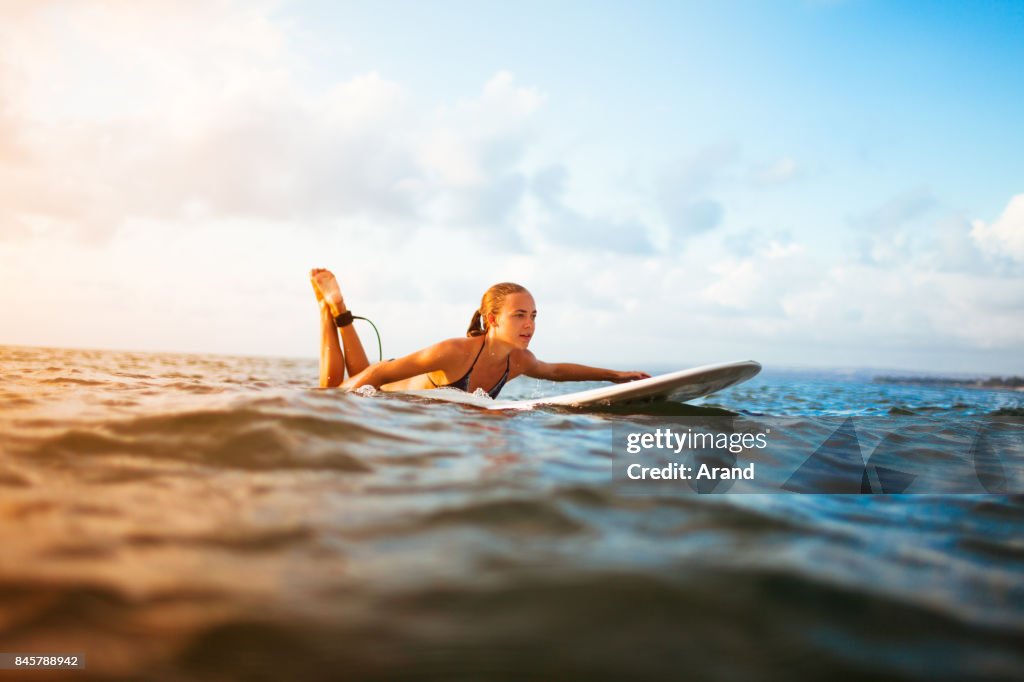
x,y
451,355
521,358
458,344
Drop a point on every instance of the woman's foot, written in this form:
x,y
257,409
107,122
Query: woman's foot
x,y
316,289
327,290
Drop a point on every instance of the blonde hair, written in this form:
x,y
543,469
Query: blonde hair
x,y
491,302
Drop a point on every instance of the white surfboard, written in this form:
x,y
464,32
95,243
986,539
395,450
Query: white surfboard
x,y
686,384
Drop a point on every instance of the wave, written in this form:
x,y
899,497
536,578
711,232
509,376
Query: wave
x,y
235,438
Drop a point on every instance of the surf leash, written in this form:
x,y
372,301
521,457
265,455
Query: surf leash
x,y
345,319
380,348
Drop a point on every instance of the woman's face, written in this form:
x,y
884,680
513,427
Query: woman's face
x,y
515,321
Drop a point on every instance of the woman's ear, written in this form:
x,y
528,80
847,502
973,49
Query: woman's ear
x,y
491,320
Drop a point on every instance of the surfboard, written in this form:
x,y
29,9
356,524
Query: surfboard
x,y
681,386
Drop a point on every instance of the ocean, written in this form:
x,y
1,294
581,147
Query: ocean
x,y
185,517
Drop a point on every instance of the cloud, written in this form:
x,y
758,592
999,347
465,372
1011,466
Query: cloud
x,y
895,231
482,137
955,249
209,119
926,286
746,243
947,298
756,283
216,125
704,169
897,211
485,212
1004,237
689,217
471,156
870,306
779,173
564,225
910,229
503,104
684,191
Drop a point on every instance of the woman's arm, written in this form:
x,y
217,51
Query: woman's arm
x,y
423,361
567,371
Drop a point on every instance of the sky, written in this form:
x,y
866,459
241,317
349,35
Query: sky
x,y
806,184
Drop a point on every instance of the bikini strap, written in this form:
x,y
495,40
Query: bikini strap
x,y
496,389
470,370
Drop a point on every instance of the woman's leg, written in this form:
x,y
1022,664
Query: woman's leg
x,y
333,360
355,356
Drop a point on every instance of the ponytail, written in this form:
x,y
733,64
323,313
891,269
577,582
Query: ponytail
x,y
476,327
491,304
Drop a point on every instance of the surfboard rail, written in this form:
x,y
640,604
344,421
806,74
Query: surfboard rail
x,y
683,385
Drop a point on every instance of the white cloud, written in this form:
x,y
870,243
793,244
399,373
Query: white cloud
x,y
780,293
898,230
757,282
208,119
1006,235
870,306
501,105
451,159
479,138
955,249
471,154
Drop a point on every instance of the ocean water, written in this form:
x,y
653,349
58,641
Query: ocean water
x,y
176,517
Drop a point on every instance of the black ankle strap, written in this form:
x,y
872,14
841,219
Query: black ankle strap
x,y
344,319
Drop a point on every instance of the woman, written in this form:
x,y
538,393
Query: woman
x,y
493,352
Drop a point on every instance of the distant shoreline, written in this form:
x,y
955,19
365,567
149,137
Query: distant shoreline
x,y
997,383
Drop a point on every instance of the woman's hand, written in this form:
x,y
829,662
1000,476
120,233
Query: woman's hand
x,y
623,377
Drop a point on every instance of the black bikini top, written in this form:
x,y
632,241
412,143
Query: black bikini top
x,y
463,383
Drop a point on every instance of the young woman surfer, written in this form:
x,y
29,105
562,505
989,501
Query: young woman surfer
x,y
493,352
